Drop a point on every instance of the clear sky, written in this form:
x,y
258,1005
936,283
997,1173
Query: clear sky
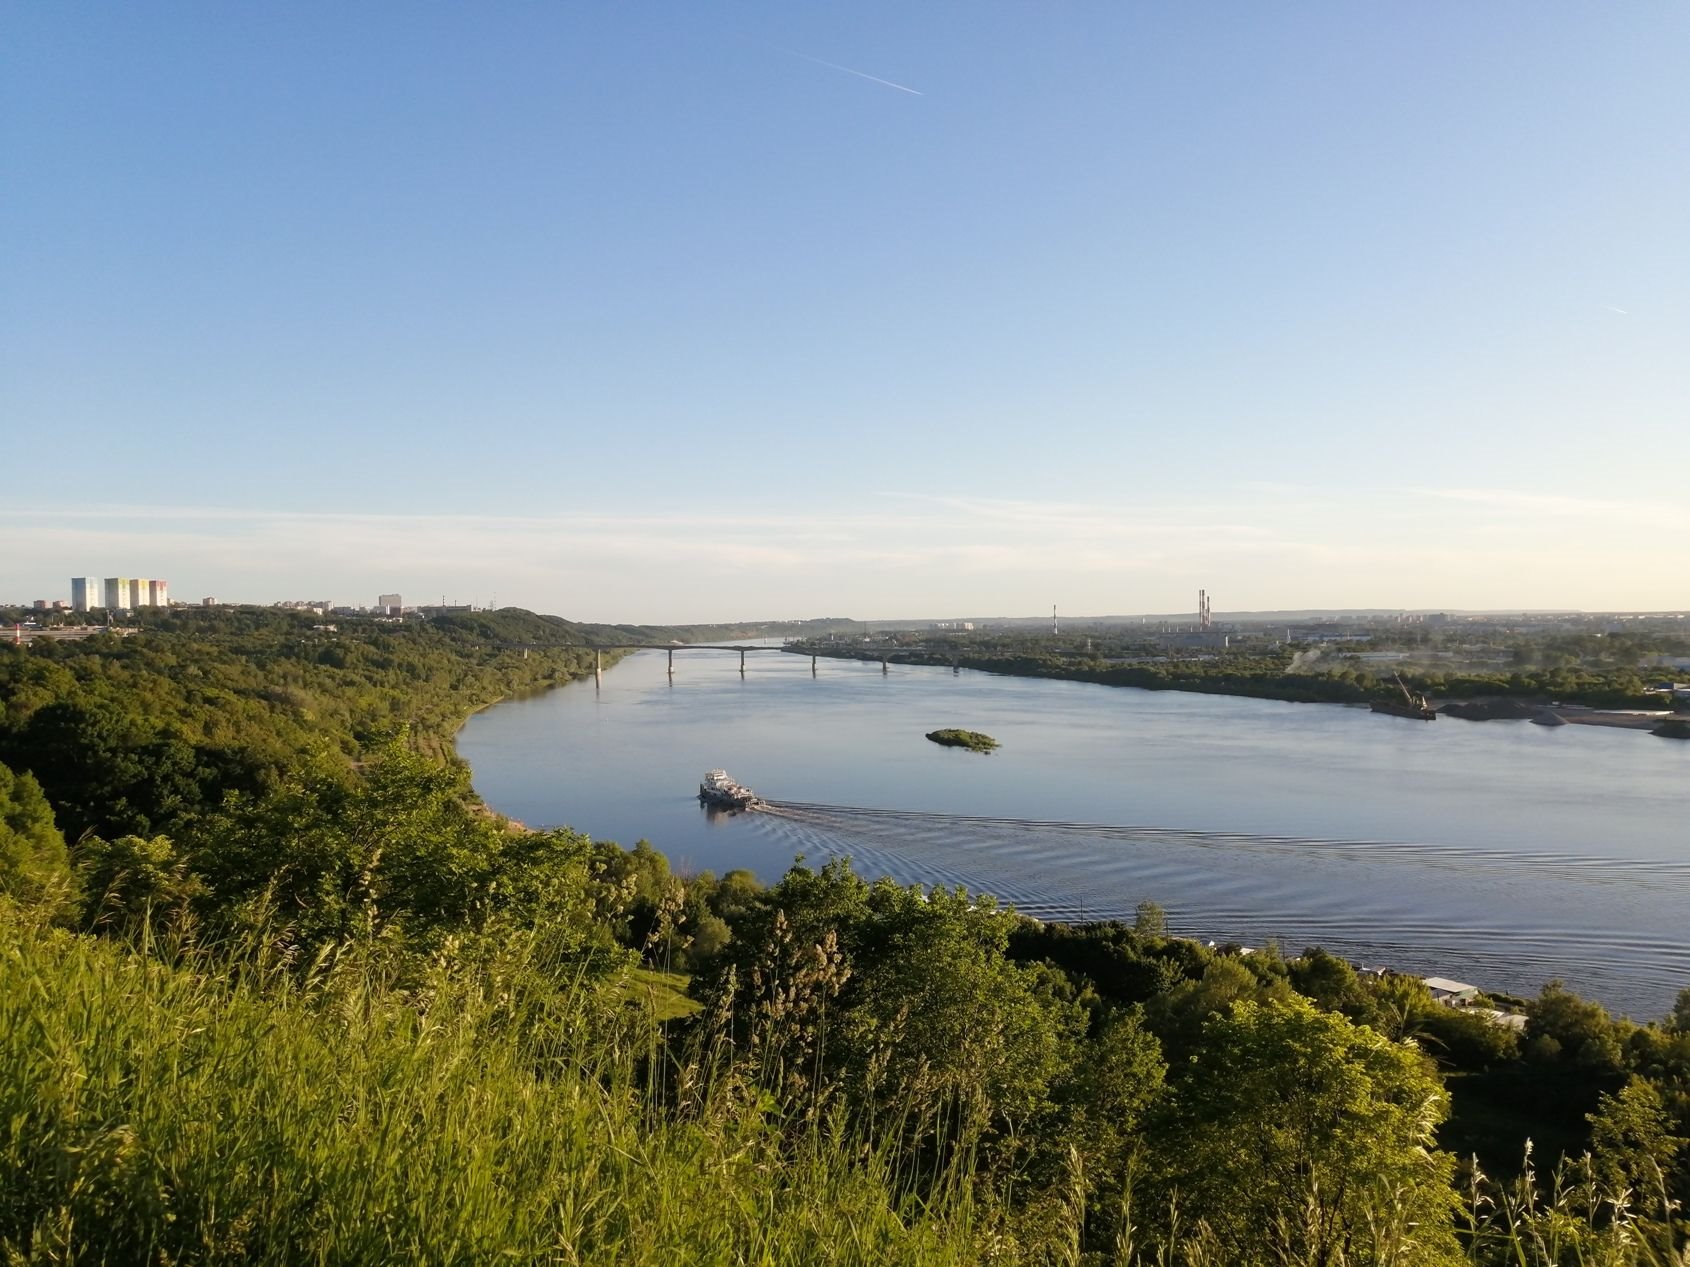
x,y
652,311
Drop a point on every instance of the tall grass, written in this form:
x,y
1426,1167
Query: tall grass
x,y
164,1109
185,1104
1570,1220
1573,1220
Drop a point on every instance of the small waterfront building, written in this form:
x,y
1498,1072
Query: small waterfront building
x,y
1454,993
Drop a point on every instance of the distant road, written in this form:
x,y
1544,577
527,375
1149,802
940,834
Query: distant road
x,y
23,633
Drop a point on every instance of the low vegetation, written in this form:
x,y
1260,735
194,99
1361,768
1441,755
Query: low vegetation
x,y
189,1105
1568,670
298,997
973,740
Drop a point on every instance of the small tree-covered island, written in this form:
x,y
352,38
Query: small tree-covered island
x,y
972,740
276,987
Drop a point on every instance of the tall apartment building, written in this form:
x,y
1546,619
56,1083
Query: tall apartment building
x,y
120,593
386,601
84,593
152,593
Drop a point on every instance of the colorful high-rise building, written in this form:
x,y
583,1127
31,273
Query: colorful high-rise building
x,y
84,593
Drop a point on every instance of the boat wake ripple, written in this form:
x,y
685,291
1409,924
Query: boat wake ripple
x,y
1417,906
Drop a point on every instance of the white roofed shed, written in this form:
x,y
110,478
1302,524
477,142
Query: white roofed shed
x,y
1455,993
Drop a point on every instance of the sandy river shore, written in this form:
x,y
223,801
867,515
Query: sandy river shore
x,y
1554,714
1600,717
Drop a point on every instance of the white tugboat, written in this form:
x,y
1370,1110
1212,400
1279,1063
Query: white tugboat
x,y
723,792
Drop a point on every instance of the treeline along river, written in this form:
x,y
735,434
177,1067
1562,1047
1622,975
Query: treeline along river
x,y
1502,853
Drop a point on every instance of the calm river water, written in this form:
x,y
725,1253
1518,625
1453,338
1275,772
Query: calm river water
x,y
1501,853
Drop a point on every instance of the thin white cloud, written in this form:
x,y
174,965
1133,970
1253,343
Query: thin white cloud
x,y
1514,502
895,554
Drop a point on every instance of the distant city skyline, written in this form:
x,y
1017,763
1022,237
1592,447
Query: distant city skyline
x,y
646,315
112,593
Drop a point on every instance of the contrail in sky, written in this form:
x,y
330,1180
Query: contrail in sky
x,y
1621,311
860,74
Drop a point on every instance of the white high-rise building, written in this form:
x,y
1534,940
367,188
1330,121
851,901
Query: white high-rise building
x,y
160,593
388,601
84,593
120,593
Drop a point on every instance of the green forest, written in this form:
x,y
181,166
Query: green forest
x,y
1564,669
276,987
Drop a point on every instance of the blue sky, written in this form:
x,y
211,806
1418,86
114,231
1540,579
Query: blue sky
x,y
642,311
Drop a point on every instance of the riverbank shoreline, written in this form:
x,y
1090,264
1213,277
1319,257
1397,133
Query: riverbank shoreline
x,y
1545,712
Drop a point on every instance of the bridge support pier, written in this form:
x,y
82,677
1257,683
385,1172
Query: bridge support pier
x,y
883,667
671,662
812,666
742,662
956,667
598,668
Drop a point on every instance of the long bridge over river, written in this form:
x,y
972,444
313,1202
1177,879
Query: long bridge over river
x,y
858,652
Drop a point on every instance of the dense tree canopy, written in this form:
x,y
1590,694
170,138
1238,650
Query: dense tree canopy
x,y
1304,1138
34,864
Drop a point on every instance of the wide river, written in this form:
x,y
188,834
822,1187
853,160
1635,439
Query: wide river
x,y
1500,853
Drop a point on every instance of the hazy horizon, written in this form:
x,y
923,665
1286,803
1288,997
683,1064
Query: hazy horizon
x,y
641,313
